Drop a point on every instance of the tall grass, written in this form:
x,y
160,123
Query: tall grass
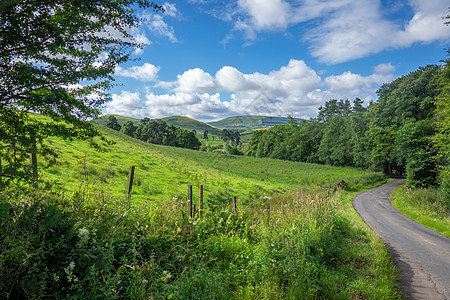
x,y
93,246
424,206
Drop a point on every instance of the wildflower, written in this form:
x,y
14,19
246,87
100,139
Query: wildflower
x,y
83,234
166,276
69,272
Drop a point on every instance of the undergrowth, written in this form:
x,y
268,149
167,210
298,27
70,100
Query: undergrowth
x,y
424,206
297,245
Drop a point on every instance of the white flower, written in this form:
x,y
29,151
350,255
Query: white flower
x,y
83,234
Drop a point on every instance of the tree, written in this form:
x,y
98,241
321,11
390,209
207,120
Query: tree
x,y
335,148
442,137
113,123
128,128
56,59
226,135
408,99
205,135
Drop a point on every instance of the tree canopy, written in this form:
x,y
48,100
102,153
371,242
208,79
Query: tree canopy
x,y
403,133
56,59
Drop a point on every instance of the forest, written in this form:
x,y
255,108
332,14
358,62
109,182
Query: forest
x,y
157,132
404,133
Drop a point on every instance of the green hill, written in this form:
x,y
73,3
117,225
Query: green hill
x,y
266,245
178,121
242,123
162,172
120,119
191,124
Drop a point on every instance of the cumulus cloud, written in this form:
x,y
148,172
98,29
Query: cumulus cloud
x,y
294,89
146,72
126,104
384,68
195,80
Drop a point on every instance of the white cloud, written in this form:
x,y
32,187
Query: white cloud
x,y
384,68
170,9
126,104
158,26
294,89
146,72
266,14
344,30
195,80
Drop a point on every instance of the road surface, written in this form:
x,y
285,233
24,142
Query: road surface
x,y
421,254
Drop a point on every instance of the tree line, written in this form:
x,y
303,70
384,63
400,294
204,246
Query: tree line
x,y
405,132
156,132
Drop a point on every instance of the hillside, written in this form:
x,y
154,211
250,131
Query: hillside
x,y
146,246
243,123
162,172
120,119
191,124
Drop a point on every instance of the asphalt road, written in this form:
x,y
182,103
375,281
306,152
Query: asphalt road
x,y
421,254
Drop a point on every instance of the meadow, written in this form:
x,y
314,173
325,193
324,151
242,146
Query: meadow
x,y
164,172
79,236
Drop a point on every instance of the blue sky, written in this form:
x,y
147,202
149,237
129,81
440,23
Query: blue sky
x,y
211,59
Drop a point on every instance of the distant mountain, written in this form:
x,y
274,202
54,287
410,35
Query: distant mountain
x,y
191,124
243,123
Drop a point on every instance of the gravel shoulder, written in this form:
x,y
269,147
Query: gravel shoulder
x,y
421,254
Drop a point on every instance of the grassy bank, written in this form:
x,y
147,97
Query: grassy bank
x,y
164,172
306,246
289,238
422,206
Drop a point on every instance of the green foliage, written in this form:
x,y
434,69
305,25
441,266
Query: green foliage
x,y
128,128
94,247
335,148
158,132
442,136
424,206
56,60
405,107
112,123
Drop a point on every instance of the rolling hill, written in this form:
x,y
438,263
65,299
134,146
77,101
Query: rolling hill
x,y
162,172
120,119
191,124
243,123
240,123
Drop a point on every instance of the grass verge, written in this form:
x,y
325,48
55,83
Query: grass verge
x,y
422,206
302,244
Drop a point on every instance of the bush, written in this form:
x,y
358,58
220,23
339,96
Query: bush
x,y
444,200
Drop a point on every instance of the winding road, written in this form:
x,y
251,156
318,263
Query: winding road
x,y
421,254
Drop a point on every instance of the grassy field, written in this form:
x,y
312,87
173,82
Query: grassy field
x,y
422,206
163,172
289,238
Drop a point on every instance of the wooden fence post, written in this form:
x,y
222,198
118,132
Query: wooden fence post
x,y
33,164
1,175
268,212
200,200
130,182
33,158
234,203
190,206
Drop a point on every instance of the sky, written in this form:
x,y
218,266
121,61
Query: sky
x,y
212,59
